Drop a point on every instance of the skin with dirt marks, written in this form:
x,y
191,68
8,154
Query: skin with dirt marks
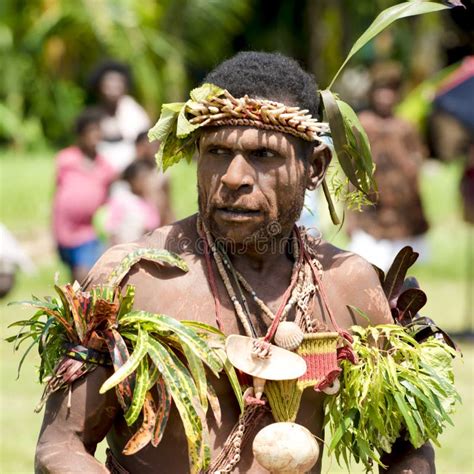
x,y
249,182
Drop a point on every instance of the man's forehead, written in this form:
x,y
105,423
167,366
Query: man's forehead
x,y
245,136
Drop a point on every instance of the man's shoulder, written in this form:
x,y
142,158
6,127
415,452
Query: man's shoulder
x,y
354,283
179,238
339,261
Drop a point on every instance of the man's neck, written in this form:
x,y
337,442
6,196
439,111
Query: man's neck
x,y
263,257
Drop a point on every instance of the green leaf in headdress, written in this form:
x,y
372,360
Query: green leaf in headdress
x,y
175,132
385,19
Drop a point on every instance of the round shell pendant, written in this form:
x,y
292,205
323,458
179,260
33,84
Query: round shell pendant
x,y
281,365
333,388
284,448
288,335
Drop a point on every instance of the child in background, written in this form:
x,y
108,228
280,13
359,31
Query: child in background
x,y
130,211
82,182
146,151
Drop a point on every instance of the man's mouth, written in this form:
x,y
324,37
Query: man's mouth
x,y
237,213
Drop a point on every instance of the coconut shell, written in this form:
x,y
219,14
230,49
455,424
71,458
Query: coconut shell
x,y
284,448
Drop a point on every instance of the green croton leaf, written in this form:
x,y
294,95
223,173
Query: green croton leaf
x,y
175,132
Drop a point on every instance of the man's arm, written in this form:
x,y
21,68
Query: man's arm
x,y
69,436
405,459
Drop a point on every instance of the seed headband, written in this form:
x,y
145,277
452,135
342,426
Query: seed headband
x,y
210,105
260,113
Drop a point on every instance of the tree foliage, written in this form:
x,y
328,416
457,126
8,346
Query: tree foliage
x,y
49,47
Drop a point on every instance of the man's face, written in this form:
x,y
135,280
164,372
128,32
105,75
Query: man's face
x,y
251,182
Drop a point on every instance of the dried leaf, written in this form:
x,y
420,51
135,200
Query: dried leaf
x,y
144,434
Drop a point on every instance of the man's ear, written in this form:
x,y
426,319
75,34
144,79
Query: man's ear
x,y
319,160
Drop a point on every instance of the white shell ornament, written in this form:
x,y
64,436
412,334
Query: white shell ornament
x,y
333,388
281,365
284,448
288,335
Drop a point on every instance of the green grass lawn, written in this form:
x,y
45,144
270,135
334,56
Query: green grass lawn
x,y
25,192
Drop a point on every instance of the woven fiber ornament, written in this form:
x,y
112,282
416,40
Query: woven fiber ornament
x,y
319,350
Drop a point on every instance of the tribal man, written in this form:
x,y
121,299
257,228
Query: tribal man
x,y
252,179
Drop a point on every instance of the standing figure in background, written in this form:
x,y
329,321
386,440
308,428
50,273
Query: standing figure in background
x,y
12,259
146,151
396,218
130,211
83,178
123,117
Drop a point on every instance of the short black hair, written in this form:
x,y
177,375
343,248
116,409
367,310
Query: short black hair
x,y
271,76
135,168
89,116
109,65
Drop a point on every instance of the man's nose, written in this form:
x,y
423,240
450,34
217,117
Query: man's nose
x,y
239,173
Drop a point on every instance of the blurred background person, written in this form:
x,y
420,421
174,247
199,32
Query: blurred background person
x,y
12,259
123,117
146,151
83,178
396,218
131,210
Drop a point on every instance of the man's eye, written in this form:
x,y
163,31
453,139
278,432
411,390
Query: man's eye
x,y
264,153
219,151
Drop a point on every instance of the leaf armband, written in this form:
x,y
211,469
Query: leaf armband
x,y
399,388
78,330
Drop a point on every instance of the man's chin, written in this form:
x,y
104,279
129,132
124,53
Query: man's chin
x,y
235,234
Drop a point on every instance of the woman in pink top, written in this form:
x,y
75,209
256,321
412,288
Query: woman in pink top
x,y
82,181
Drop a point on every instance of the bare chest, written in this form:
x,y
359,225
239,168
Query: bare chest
x,y
193,296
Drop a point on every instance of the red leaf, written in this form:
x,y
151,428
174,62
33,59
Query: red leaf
x,y
396,274
119,355
164,407
410,302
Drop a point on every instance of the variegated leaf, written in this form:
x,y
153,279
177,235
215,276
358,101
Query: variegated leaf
x,y
163,411
139,392
180,384
186,335
139,351
232,376
199,374
126,303
214,404
160,256
198,326
76,308
144,434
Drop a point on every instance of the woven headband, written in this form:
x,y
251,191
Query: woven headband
x,y
260,113
210,105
